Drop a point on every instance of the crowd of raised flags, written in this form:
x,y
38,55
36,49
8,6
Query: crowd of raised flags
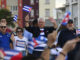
x,y
35,42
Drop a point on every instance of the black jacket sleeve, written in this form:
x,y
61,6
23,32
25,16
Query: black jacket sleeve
x,y
60,42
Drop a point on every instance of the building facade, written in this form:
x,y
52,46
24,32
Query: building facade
x,y
46,8
74,7
15,6
60,12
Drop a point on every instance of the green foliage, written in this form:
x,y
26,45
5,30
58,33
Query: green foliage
x,y
4,13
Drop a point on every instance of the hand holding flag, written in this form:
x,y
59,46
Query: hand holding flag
x,y
66,17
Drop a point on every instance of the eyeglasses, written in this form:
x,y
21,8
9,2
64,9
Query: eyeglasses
x,y
3,26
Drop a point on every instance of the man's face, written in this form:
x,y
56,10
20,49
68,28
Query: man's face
x,y
3,21
41,23
70,26
3,28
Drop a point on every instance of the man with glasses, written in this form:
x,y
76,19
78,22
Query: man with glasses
x,y
3,20
5,42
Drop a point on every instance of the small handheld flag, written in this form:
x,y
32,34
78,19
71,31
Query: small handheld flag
x,y
66,17
27,8
15,18
65,20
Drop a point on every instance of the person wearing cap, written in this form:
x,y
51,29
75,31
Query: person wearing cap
x,y
20,42
68,34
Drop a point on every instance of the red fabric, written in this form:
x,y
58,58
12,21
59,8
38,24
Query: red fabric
x,y
8,30
35,42
3,52
17,57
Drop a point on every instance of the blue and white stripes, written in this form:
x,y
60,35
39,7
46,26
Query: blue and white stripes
x,y
15,18
10,54
27,8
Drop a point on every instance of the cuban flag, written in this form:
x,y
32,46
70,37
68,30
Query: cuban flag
x,y
77,31
32,43
15,18
12,54
66,18
38,43
27,8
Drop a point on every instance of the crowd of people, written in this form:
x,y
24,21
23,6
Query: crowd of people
x,y
35,42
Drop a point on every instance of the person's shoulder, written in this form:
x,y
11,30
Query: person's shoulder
x,y
24,38
16,37
63,30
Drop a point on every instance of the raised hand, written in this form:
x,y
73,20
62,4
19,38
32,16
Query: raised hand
x,y
52,20
70,45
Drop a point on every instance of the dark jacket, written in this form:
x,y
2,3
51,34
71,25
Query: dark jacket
x,y
36,30
66,35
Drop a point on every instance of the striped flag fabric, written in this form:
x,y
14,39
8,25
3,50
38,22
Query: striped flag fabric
x,y
38,43
11,53
27,8
77,31
31,44
15,18
66,17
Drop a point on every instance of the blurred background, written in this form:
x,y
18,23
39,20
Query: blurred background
x,y
43,8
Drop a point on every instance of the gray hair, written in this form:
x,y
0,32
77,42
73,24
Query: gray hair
x,y
41,18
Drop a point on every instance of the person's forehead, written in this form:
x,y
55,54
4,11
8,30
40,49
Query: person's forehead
x,y
3,19
2,24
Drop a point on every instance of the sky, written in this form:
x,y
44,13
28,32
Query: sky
x,y
59,3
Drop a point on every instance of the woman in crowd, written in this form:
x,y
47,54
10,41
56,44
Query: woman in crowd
x,y
19,41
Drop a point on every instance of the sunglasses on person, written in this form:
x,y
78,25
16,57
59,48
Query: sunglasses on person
x,y
3,26
19,31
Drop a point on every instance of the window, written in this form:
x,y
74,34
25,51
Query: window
x,y
47,12
14,8
11,8
32,13
47,1
32,2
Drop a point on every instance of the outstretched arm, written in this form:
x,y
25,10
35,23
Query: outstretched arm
x,y
70,45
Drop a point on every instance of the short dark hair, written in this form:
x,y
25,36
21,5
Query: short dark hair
x,y
19,28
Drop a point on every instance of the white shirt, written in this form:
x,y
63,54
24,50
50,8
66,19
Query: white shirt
x,y
20,44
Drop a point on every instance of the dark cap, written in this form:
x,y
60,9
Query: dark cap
x,y
70,21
